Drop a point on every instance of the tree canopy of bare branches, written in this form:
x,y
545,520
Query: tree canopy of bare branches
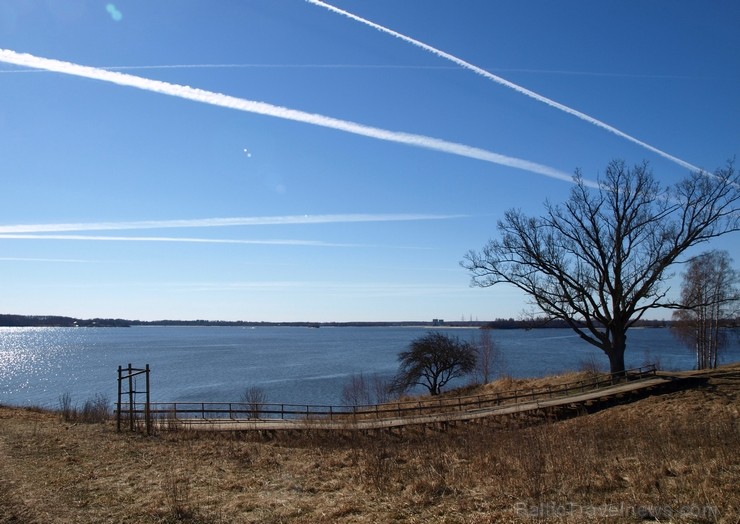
x,y
599,261
432,361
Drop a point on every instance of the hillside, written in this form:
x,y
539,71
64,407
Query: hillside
x,y
673,457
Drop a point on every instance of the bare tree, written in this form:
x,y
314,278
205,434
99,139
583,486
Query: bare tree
x,y
710,294
489,359
356,392
382,389
362,391
432,361
599,261
254,397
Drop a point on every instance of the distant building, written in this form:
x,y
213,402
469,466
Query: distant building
x,y
438,321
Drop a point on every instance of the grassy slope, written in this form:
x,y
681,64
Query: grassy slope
x,y
676,455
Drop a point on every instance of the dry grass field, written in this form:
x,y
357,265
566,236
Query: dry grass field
x,y
667,458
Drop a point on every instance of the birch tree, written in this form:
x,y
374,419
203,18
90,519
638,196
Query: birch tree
x,y
710,295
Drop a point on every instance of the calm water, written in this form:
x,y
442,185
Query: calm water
x,y
292,365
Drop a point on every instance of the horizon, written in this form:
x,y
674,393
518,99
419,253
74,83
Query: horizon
x,y
435,322
300,161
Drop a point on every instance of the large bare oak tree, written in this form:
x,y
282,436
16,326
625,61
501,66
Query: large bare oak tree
x,y
599,261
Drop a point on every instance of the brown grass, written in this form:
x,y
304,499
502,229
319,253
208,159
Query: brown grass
x,y
668,458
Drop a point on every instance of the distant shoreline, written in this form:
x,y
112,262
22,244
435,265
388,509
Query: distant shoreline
x,y
62,321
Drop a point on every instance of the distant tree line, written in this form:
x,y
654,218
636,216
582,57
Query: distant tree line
x,y
221,323
59,321
499,323
542,322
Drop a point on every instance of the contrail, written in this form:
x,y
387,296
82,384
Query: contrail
x,y
250,66
196,240
56,260
219,222
511,85
362,66
316,243
262,108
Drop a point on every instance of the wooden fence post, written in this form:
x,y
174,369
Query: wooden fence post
x,y
130,399
147,411
118,404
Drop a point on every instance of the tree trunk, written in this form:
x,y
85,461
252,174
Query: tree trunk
x,y
434,388
616,354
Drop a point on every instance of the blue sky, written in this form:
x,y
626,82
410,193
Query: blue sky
x,y
119,201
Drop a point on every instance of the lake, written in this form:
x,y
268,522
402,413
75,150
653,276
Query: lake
x,y
291,365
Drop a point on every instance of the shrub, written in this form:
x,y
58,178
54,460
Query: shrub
x,y
67,408
96,409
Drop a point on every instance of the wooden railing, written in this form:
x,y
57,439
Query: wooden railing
x,y
164,412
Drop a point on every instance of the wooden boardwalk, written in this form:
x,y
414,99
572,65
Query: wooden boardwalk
x,y
554,405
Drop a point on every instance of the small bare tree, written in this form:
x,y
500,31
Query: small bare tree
x,y
432,361
710,295
489,359
362,391
381,389
356,391
254,397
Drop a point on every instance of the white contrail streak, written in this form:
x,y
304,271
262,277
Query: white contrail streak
x,y
56,260
504,82
262,108
219,222
97,238
191,240
360,66
248,66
